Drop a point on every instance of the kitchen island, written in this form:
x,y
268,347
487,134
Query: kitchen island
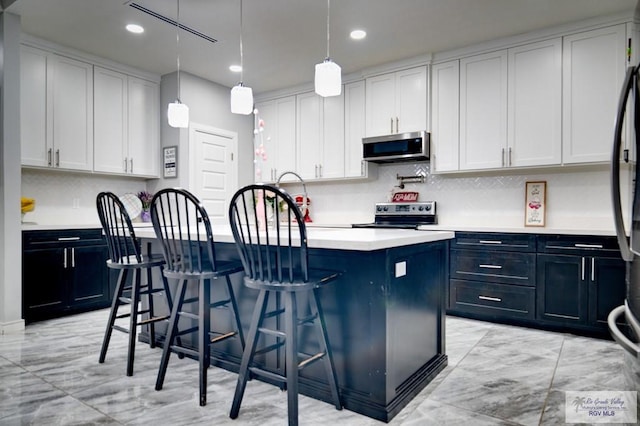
x,y
385,316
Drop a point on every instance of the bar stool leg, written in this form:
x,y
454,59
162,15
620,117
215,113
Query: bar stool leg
x,y
316,308
204,327
172,329
247,354
133,320
234,308
150,314
115,303
291,355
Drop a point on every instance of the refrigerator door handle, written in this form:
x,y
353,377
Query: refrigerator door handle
x,y
625,250
618,336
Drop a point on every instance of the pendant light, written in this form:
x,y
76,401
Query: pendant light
x,y
328,80
178,113
241,96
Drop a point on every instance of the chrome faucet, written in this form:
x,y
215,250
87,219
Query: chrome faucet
x,y
304,189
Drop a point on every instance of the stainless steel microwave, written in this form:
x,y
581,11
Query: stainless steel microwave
x,y
413,146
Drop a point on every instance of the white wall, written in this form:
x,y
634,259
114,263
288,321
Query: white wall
x,y
209,105
10,235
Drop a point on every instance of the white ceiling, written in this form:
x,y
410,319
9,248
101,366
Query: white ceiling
x,y
283,39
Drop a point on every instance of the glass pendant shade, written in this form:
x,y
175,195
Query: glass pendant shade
x,y
178,115
241,99
328,79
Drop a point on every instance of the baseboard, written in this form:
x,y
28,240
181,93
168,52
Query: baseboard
x,y
11,327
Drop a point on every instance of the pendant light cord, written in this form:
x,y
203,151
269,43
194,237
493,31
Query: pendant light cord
x,y
328,21
178,47
241,51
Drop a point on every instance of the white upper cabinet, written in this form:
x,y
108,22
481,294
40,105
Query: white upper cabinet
x,y
56,111
593,70
396,102
143,127
278,139
483,111
445,104
320,136
110,114
534,136
127,114
354,131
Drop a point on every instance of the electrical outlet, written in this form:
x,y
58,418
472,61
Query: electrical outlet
x,y
76,203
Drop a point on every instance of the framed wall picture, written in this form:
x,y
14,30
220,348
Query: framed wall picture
x,y
535,203
170,162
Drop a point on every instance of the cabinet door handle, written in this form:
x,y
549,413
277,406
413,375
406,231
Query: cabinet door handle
x,y
361,167
131,163
49,157
391,124
73,257
492,299
594,246
583,269
64,258
397,125
126,169
320,168
502,157
490,242
593,269
68,238
509,162
316,173
57,158
490,266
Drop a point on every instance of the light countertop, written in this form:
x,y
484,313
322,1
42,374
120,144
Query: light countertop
x,y
32,226
343,238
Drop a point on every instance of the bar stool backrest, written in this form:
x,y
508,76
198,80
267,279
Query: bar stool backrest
x,y
123,245
270,234
182,225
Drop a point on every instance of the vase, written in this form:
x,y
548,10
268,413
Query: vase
x,y
145,216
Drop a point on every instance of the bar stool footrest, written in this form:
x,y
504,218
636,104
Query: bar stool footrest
x,y
221,337
155,319
268,374
269,348
310,359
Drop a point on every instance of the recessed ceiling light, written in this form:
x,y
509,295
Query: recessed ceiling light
x,y
358,34
135,28
235,68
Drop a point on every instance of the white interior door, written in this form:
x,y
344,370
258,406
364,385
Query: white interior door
x,y
213,168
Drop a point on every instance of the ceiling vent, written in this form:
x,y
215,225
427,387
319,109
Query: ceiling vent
x,y
172,22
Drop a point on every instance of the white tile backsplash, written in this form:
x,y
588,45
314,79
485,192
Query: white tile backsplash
x,y
577,197
55,191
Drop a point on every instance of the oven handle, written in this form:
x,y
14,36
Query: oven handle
x,y
629,346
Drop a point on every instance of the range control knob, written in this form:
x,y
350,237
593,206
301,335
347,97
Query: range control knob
x,y
422,208
427,207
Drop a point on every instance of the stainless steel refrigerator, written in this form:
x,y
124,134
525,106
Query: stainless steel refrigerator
x,y
624,321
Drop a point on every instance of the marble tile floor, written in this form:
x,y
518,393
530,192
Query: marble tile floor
x,y
497,375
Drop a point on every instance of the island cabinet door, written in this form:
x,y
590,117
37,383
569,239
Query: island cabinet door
x,y
43,283
89,278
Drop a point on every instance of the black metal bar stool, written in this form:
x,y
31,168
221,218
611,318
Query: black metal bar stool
x,y
271,237
125,255
182,225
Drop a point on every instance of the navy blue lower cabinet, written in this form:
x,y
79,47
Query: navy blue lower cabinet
x,y
63,272
580,280
579,290
493,276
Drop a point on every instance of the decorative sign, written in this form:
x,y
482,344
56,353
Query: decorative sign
x,y
400,197
170,161
535,203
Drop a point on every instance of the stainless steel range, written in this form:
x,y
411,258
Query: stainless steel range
x,y
402,215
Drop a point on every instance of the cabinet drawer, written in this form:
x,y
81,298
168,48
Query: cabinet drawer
x,y
68,238
493,299
579,245
497,267
494,241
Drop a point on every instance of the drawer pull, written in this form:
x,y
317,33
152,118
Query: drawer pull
x,y
492,299
490,242
68,238
594,246
490,266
